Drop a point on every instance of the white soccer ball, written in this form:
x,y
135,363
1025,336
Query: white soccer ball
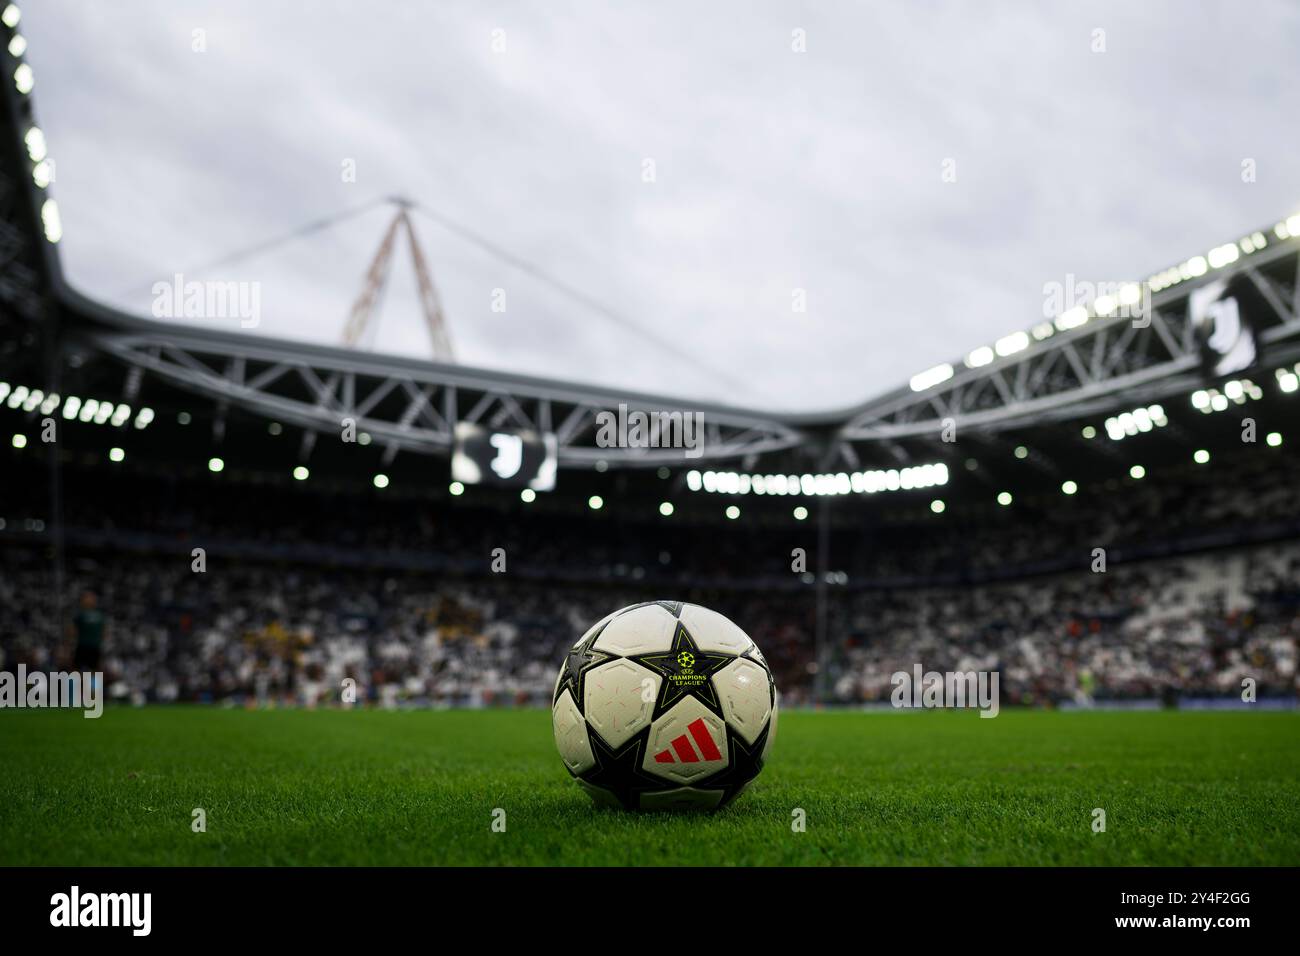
x,y
664,705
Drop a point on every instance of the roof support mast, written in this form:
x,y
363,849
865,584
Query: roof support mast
x,y
363,314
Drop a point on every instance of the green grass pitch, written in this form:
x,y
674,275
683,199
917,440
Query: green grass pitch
x,y
420,788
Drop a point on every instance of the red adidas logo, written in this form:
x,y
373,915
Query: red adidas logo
x,y
685,752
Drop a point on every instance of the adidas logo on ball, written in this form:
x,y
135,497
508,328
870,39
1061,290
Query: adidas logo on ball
x,y
685,752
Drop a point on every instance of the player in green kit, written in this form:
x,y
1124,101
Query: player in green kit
x,y
88,624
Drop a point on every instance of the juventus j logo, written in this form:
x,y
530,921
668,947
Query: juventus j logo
x,y
510,455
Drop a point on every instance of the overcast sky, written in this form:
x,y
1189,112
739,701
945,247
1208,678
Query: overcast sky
x,y
774,170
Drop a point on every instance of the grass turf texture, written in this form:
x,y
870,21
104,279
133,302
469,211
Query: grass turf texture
x,y
419,788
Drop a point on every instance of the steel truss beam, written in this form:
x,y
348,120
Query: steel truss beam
x,y
414,408
1101,365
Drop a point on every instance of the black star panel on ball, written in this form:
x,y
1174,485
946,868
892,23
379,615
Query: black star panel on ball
x,y
580,659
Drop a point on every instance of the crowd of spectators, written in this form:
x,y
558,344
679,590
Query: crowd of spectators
x,y
303,593
268,634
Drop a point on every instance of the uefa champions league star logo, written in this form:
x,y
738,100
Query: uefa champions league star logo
x,y
685,669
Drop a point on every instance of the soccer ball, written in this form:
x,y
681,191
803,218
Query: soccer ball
x,y
664,705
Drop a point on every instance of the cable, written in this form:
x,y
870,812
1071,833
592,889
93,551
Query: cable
x,y
594,305
304,230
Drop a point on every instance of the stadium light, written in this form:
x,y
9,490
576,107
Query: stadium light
x,y
1137,472
931,377
301,473
1004,498
215,465
595,502
1022,452
1223,255
937,506
20,441
1274,439
1237,391
381,481
666,508
1138,421
51,221
34,140
1069,487
800,513
116,454
1011,344
1201,456
733,512
528,496
11,16
17,45
1089,431
842,483
980,357
1071,319
455,488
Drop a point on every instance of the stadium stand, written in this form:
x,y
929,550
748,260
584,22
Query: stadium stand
x,y
304,589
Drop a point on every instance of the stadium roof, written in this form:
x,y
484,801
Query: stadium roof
x,y
819,171
1127,349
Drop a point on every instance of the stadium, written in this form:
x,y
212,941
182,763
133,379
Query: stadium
x,y
329,587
